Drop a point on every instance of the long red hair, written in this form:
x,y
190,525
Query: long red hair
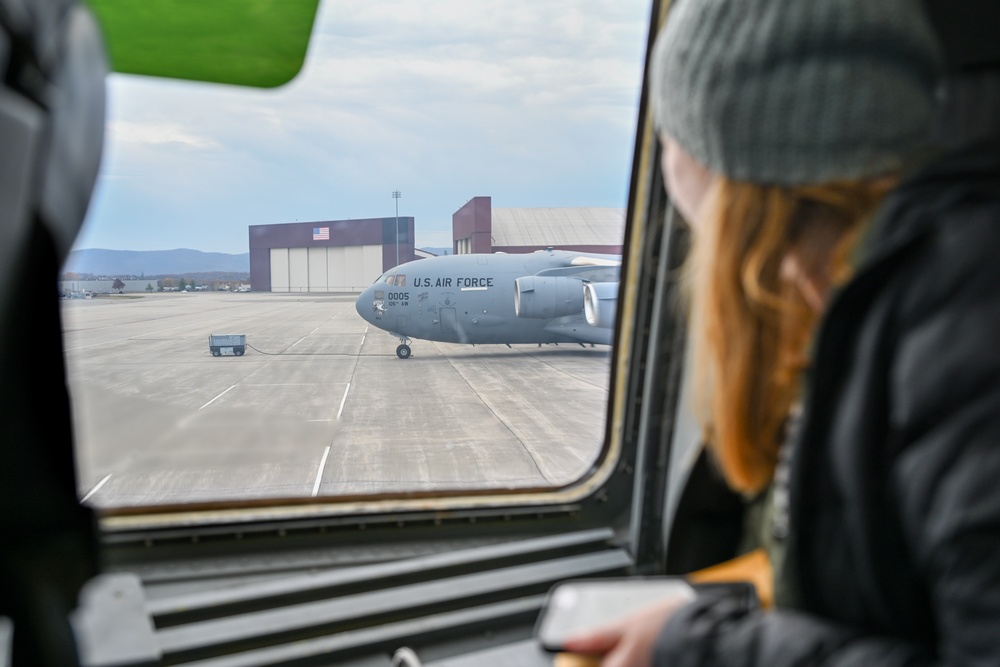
x,y
751,325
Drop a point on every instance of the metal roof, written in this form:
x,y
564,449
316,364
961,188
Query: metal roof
x,y
558,226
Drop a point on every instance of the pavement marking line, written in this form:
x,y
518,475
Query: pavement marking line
x,y
98,487
215,399
319,473
343,401
301,339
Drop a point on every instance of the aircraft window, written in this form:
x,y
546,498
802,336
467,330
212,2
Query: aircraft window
x,y
246,374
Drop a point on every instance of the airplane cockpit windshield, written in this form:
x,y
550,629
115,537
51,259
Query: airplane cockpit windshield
x,y
239,370
398,280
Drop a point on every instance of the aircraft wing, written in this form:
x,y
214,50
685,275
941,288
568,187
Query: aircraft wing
x,y
579,297
601,260
597,273
590,268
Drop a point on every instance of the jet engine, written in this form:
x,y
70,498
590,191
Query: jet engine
x,y
546,297
600,300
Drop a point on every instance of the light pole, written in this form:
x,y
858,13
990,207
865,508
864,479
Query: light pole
x,y
396,194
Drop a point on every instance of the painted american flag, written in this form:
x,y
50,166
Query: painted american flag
x,y
321,233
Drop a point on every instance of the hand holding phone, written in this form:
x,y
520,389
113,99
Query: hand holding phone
x,y
574,608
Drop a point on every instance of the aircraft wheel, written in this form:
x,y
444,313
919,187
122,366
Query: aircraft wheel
x,y
403,351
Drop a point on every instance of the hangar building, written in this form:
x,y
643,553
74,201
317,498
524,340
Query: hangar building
x,y
328,256
477,227
347,255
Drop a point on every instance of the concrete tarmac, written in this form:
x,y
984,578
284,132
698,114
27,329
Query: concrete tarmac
x,y
318,406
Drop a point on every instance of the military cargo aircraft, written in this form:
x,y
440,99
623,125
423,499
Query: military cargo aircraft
x,y
548,296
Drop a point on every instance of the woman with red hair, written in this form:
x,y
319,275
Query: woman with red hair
x,y
845,313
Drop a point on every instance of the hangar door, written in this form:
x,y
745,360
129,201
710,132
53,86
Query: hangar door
x,y
325,269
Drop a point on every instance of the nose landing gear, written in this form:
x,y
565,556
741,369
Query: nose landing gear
x,y
403,350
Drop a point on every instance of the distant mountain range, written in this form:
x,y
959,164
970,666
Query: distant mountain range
x,y
438,251
182,261
101,262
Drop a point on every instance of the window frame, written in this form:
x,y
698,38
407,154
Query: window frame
x,y
607,494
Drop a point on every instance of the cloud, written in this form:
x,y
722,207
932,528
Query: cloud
x,y
124,132
532,102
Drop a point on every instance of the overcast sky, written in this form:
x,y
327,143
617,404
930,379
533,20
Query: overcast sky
x,y
531,102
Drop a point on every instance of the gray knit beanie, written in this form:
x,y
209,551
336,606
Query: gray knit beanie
x,y
796,91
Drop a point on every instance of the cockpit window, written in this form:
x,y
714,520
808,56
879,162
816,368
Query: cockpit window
x,y
265,364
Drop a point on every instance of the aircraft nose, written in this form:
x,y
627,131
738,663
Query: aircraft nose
x,y
363,304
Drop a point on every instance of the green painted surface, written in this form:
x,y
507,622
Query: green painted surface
x,y
259,43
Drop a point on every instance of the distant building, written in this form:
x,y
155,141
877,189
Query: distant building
x,y
73,287
348,255
477,227
327,256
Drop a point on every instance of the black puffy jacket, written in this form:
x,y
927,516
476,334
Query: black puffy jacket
x,y
895,483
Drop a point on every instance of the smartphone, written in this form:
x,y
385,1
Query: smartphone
x,y
572,607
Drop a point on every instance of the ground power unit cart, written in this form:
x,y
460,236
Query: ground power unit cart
x,y
227,344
